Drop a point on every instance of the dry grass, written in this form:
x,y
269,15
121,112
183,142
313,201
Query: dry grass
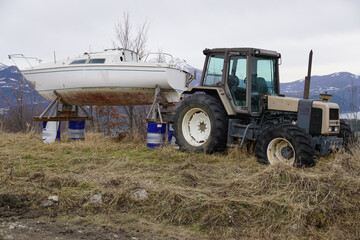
x,y
218,196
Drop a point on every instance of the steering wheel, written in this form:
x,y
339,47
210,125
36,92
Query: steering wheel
x,y
233,81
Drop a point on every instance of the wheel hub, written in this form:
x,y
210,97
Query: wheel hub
x,y
280,150
196,126
202,127
287,152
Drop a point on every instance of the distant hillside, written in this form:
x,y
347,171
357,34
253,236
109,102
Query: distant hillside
x,y
2,66
13,87
344,86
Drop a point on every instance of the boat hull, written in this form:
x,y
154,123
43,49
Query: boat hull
x,y
115,96
109,84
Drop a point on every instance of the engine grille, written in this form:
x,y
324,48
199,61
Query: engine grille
x,y
315,121
334,114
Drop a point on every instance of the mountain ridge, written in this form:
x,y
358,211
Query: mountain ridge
x,y
343,86
15,89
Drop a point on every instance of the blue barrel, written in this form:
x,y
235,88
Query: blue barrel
x,y
51,131
155,134
170,127
76,130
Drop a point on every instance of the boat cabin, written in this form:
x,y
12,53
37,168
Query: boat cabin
x,y
108,56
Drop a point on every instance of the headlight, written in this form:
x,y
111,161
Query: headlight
x,y
333,129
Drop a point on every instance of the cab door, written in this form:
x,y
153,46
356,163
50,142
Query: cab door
x,y
237,82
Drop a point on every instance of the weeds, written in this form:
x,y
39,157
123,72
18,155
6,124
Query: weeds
x,y
225,195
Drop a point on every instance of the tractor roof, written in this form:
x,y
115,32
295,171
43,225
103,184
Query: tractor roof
x,y
244,51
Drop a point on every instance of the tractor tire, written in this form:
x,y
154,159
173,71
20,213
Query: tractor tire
x,y
347,134
200,124
285,143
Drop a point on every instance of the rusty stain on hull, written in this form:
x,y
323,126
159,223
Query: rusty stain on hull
x,y
108,96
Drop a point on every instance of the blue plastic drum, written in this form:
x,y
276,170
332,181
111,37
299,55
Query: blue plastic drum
x,y
76,130
170,132
155,134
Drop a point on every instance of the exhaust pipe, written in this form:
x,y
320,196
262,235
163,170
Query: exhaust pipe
x,y
307,78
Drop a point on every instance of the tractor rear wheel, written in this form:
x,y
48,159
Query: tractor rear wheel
x,y
201,124
285,143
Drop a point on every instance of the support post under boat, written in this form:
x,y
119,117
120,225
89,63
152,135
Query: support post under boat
x,y
64,115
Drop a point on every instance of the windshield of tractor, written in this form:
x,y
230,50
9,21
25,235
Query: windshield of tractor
x,y
264,80
214,70
264,76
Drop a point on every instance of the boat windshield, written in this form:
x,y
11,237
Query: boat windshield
x,y
82,61
97,60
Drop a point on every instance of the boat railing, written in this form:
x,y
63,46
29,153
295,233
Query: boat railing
x,y
159,57
119,49
12,57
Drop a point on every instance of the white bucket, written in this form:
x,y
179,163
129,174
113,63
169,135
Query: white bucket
x,y
51,131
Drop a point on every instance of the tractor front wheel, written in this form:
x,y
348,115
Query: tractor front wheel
x,y
347,134
285,143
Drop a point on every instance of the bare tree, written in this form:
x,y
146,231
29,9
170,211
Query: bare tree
x,y
354,103
349,100
19,117
124,35
125,38
141,39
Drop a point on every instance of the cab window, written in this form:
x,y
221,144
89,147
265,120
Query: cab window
x,y
213,75
264,80
264,76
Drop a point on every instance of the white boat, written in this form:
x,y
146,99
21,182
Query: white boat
x,y
111,77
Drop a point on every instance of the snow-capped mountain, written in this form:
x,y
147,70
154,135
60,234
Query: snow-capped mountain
x,y
14,86
2,66
344,87
320,84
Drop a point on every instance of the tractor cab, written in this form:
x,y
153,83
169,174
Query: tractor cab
x,y
245,74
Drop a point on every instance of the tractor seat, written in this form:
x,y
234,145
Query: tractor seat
x,y
261,85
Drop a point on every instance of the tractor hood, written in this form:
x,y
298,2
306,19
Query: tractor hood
x,y
325,114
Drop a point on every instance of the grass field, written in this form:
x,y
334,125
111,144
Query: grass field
x,y
185,196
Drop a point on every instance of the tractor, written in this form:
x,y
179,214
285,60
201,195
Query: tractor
x,y
238,101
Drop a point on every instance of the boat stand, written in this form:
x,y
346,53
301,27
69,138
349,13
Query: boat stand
x,y
155,108
160,121
52,112
161,110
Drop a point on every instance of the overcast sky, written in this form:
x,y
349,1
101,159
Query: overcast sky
x,y
184,28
